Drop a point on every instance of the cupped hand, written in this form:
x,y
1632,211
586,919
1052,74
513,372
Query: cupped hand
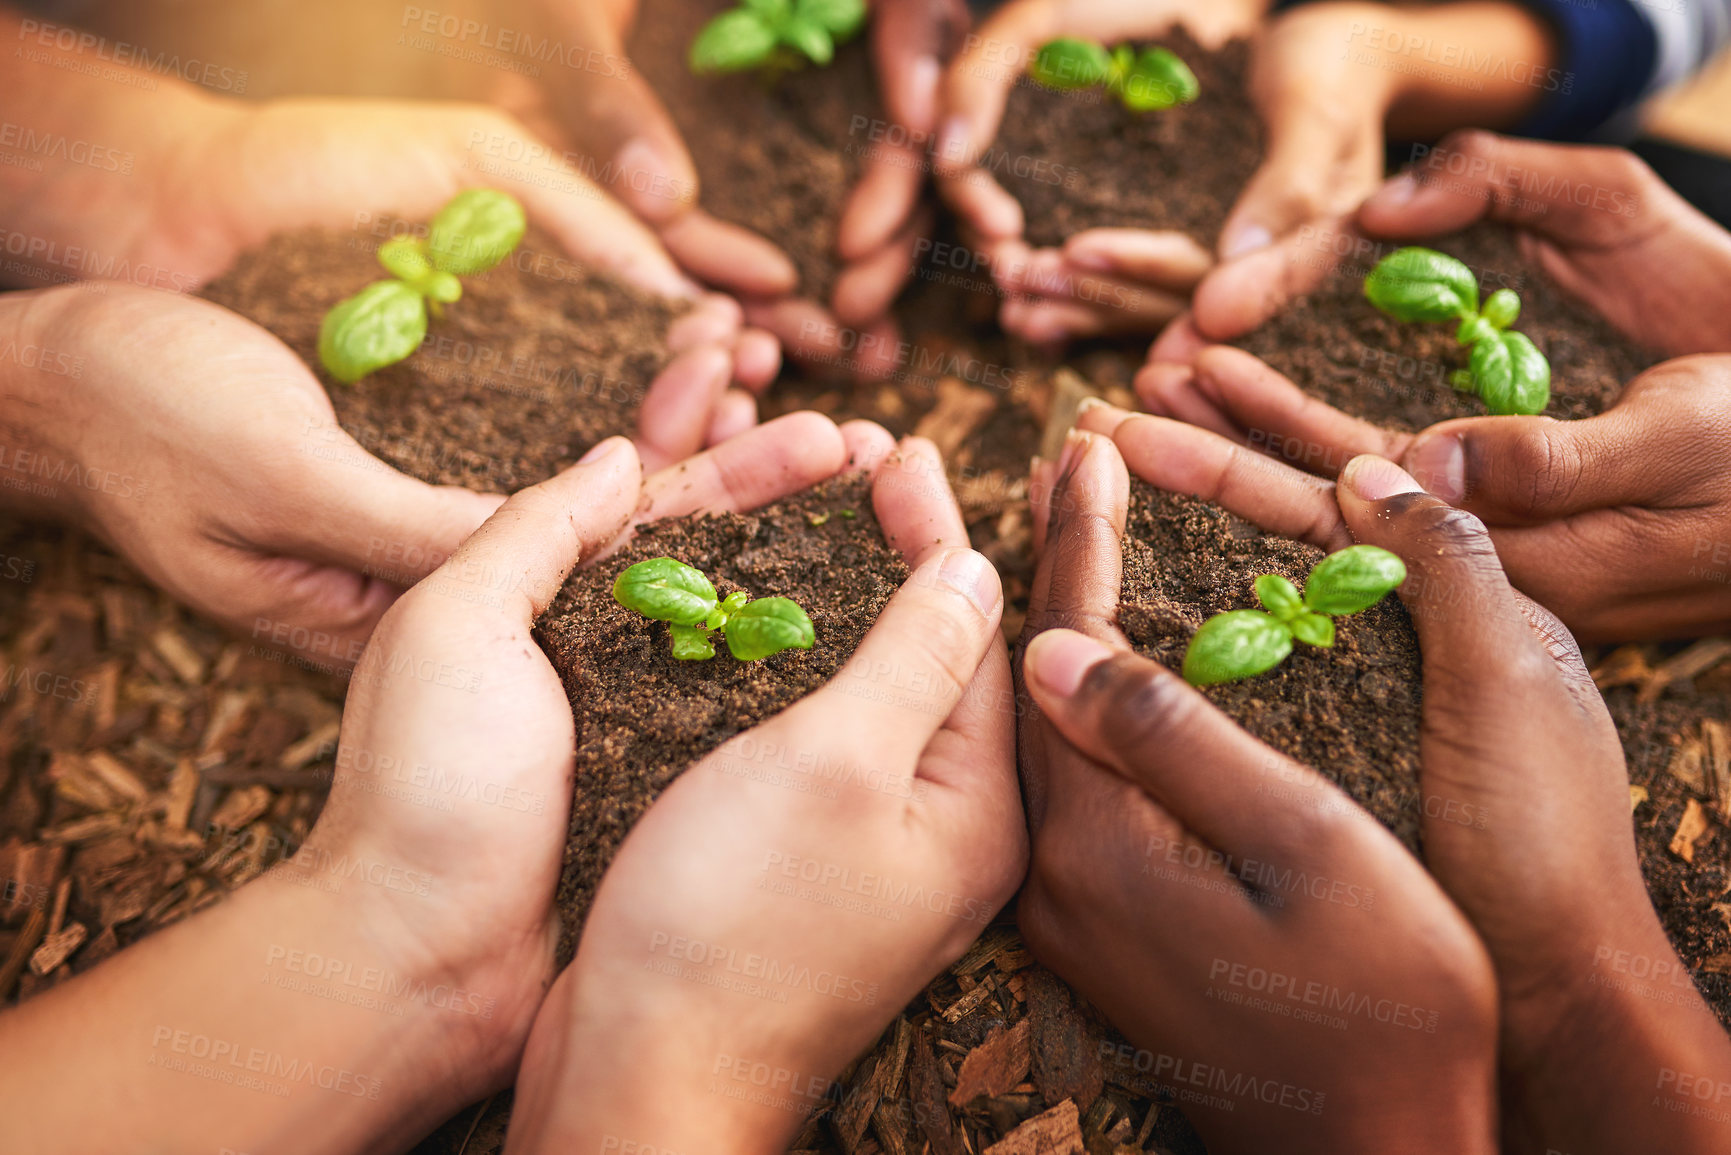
x,y
1634,496
1525,805
1598,221
698,972
454,763
208,454
1130,280
1166,845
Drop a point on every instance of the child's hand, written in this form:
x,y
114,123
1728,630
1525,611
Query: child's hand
x,y
1525,803
1597,220
757,922
1636,497
1161,886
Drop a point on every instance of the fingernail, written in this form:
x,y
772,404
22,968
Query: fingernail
x,y
1060,659
972,576
1083,255
1088,403
1246,240
1075,445
1440,465
1375,478
922,88
953,140
603,451
1394,193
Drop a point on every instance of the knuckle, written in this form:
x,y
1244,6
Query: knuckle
x,y
1140,704
1546,466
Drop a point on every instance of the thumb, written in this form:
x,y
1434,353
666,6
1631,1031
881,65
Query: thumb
x,y
382,523
524,552
1295,183
1528,470
622,124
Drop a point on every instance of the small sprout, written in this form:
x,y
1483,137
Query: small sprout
x,y
847,515
1147,81
387,321
666,590
775,34
1505,369
1243,643
816,519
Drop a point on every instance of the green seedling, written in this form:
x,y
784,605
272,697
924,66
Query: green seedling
x,y
387,321
1505,369
776,35
1243,643
665,590
1145,82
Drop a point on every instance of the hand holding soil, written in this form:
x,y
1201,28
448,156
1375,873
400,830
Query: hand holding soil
x,y
1635,496
1598,221
1153,814
206,452
732,879
434,862
1524,790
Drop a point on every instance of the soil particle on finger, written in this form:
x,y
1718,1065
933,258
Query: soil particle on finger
x,y
541,359
643,718
1335,344
1350,712
1080,160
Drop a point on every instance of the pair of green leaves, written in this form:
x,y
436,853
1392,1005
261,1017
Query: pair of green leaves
x,y
1145,82
1504,368
1243,643
665,590
760,32
387,321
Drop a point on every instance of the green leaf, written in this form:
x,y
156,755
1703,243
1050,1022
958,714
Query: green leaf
x,y
809,39
768,626
1475,329
1313,629
729,606
665,590
773,12
1511,375
444,288
378,326
475,230
1415,284
1501,308
1353,579
1070,63
733,42
692,644
1279,596
1159,80
840,18
1236,644
406,259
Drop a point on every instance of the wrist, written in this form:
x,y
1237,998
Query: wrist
x,y
601,1067
40,371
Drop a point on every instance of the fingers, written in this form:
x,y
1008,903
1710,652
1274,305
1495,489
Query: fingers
x,y
1140,720
868,445
1085,510
987,212
1063,302
865,290
910,39
1282,420
1166,260
979,80
724,254
1241,294
762,465
734,414
1465,178
620,120
912,499
910,673
756,359
540,534
883,202
1181,458
1649,450
678,410
1469,619
379,521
